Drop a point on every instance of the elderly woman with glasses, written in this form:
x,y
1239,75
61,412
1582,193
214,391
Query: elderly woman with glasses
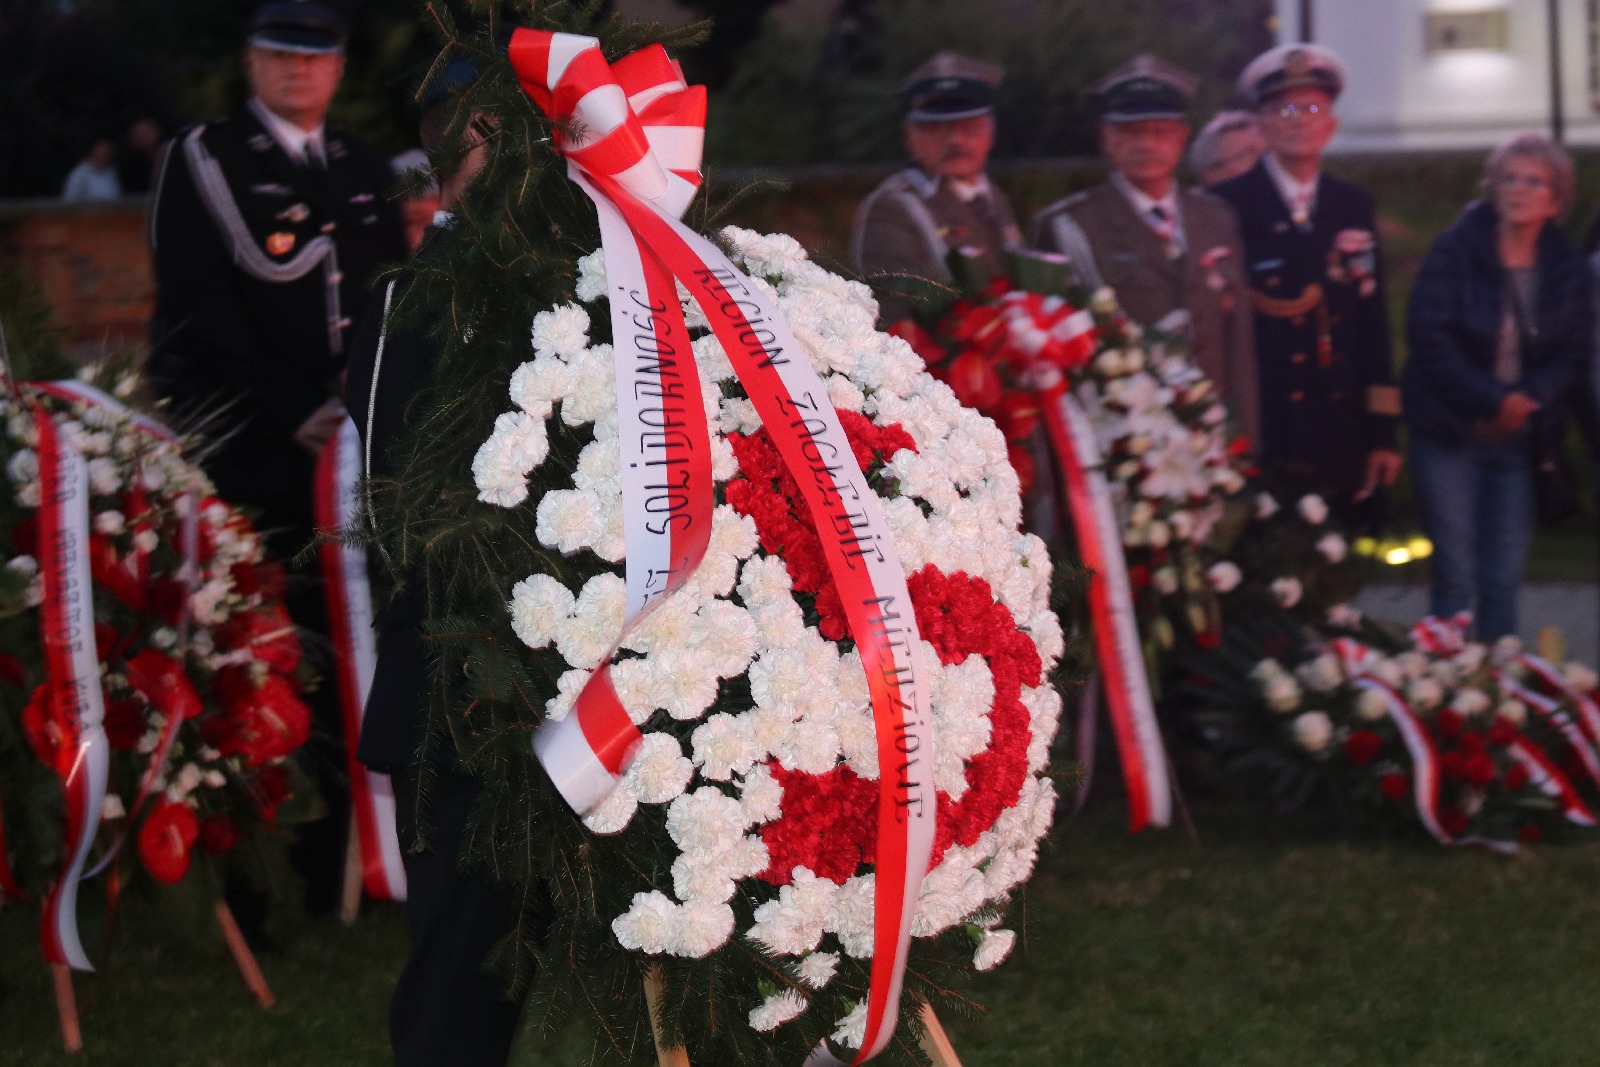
x,y
1500,324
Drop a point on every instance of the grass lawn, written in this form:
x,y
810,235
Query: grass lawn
x,y
1254,948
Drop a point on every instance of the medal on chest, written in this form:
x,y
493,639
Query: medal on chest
x,y
280,243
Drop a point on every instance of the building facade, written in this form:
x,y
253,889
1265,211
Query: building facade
x,y
1455,74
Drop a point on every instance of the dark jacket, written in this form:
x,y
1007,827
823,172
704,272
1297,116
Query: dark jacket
x,y
235,335
389,729
1453,327
1321,327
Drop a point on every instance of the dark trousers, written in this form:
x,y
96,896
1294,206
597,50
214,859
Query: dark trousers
x,y
447,1009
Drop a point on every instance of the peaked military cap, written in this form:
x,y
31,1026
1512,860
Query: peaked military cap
x,y
1144,88
950,86
298,26
1292,66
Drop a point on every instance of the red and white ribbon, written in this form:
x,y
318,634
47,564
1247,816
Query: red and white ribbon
x,y
1550,708
1555,682
1440,635
73,664
1424,760
349,596
631,136
74,391
1549,780
1116,628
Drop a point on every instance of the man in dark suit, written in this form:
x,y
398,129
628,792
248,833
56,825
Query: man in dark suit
x,y
1173,255
944,201
1329,404
266,228
446,1007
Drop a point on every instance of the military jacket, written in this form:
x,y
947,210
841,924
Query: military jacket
x,y
1322,327
261,265
909,224
1109,244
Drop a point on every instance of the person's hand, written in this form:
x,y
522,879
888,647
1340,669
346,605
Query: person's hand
x,y
1383,467
1513,413
319,429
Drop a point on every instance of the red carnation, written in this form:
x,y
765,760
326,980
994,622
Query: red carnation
x,y
108,571
268,632
219,833
1362,747
1018,415
1208,638
1448,723
1393,785
1479,769
168,598
1452,820
1502,732
1453,764
25,536
1516,777
1529,832
165,839
245,580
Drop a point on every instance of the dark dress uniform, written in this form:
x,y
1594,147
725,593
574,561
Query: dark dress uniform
x,y
446,1008
1322,328
261,266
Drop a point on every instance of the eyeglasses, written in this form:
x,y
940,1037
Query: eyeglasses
x,y
1292,112
1524,181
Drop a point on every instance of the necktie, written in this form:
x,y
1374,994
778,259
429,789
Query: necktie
x,y
1162,223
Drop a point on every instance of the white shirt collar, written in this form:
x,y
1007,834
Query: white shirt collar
x,y
1143,202
927,185
294,141
1292,190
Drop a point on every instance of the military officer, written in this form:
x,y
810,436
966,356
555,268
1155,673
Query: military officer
x,y
909,224
1173,255
1329,405
266,228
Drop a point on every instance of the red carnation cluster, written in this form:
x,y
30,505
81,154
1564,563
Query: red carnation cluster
x,y
769,494
829,821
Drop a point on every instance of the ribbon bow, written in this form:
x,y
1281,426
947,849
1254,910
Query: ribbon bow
x,y
632,135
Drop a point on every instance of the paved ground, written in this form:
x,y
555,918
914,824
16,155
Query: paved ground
x,y
1573,607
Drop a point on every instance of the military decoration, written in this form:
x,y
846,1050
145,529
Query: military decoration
x,y
280,243
1353,260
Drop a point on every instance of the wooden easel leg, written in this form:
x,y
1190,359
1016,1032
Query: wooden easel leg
x,y
350,900
243,958
66,1007
935,1042
665,1057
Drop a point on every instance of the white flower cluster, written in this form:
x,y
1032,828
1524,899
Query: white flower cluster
x,y
954,505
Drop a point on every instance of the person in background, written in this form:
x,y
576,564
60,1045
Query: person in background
x,y
265,229
1500,324
1172,255
446,1007
1329,406
1226,147
416,210
136,162
95,177
908,225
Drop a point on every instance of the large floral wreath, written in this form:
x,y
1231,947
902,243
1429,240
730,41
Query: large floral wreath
x,y
759,744
198,658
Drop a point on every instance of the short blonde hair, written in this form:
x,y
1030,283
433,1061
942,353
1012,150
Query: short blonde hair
x,y
1540,148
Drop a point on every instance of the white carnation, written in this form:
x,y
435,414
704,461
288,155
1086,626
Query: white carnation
x,y
777,1010
659,771
1224,576
562,331
852,1029
1313,730
1313,509
993,949
540,607
591,277
817,969
1288,591
649,925
570,519
1333,547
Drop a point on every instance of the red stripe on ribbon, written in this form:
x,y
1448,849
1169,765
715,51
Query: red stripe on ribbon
x,y
349,599
1544,774
1116,640
1424,759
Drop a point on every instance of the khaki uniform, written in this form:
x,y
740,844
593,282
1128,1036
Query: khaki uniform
x,y
909,224
1109,244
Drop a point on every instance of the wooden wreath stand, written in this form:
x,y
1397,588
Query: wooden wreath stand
x,y
243,958
934,1041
